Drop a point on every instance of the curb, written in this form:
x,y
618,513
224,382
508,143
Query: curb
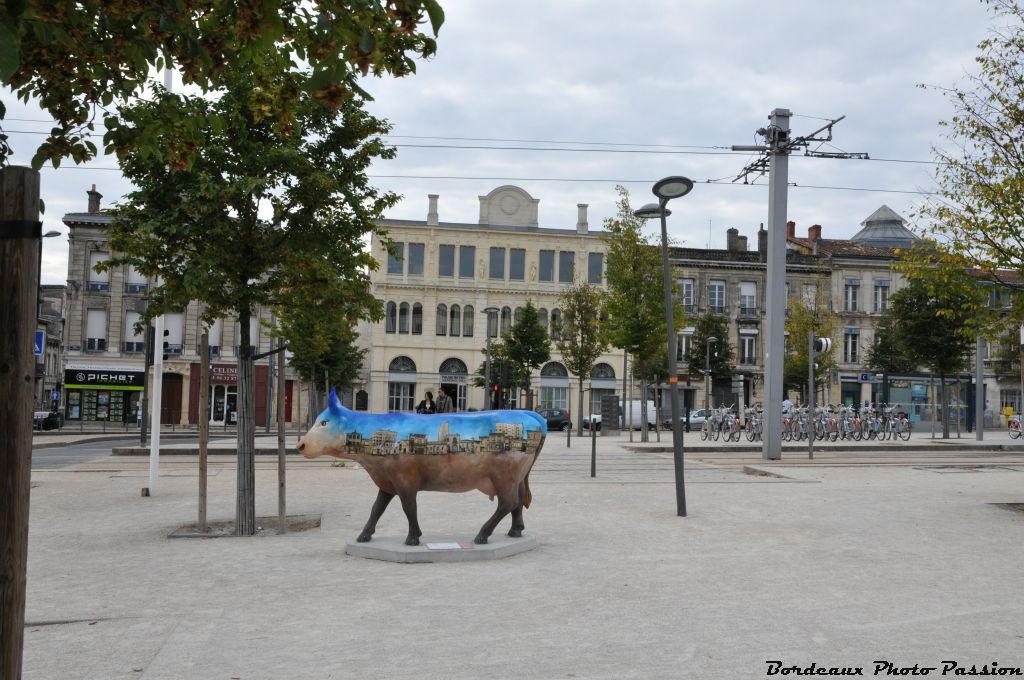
x,y
141,451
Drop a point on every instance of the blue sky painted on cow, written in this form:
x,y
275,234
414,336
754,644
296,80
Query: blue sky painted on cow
x,y
466,425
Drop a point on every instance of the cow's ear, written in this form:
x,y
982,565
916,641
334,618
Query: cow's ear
x,y
334,404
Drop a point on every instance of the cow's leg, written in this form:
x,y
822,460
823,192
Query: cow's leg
x,y
508,501
409,505
517,514
379,505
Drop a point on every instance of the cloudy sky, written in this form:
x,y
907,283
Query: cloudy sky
x,y
601,85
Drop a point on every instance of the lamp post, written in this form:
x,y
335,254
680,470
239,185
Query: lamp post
x,y
667,189
488,395
707,372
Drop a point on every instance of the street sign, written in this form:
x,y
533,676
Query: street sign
x,y
55,395
867,377
40,341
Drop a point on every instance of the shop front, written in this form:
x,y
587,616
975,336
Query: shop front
x,y
102,393
223,403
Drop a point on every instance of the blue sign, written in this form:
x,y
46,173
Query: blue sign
x,y
867,377
55,395
40,341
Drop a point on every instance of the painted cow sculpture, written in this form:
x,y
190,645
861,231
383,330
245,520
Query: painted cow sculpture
x,y
404,453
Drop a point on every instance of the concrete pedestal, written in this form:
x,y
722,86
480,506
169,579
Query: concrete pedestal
x,y
393,549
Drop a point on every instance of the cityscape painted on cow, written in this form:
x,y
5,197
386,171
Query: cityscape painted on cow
x,y
490,451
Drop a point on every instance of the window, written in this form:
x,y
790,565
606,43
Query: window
x,y
492,324
497,269
417,319
174,327
442,320
595,268
748,349
566,266
467,254
686,294
547,265
96,330
98,280
395,259
684,341
401,396
415,259
214,334
748,297
811,295
602,371
554,397
556,324
453,324
136,282
506,320
851,295
517,264
446,260
403,317
881,295
391,318
517,316
542,318
850,345
467,321
716,296
133,342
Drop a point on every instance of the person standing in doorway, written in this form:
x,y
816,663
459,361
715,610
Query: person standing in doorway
x,y
427,405
443,404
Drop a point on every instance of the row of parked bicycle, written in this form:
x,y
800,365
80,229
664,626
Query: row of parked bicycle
x,y
879,422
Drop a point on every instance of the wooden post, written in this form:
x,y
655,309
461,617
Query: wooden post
x,y
282,520
204,422
20,243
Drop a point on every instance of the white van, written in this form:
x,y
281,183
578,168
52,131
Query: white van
x,y
633,416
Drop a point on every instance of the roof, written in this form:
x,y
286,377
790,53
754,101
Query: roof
x,y
885,228
486,227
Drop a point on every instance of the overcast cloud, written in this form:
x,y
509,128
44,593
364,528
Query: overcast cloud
x,y
697,73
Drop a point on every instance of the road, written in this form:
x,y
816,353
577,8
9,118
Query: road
x,y
64,456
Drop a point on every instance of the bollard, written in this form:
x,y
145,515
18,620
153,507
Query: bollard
x,y
593,451
568,437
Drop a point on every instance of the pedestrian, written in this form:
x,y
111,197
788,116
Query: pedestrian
x,y
787,405
444,402
427,405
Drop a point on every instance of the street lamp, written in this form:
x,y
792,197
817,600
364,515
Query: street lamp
x,y
707,372
667,189
488,396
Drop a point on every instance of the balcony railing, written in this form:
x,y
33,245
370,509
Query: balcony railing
x,y
172,349
689,309
748,311
134,347
136,287
717,309
98,286
96,345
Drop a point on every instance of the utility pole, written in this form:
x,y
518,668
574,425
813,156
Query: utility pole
x,y
20,244
774,160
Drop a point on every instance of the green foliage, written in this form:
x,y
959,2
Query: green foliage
x,y
890,353
339,363
76,57
503,372
580,340
527,345
809,315
635,305
933,321
710,325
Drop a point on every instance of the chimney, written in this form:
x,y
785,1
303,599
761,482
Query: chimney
x,y
432,210
791,229
581,218
814,233
730,239
94,200
762,239
741,244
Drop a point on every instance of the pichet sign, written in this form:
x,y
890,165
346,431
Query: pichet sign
x,y
91,378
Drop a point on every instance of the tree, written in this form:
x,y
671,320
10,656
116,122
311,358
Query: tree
x,y
579,337
720,353
262,215
504,373
809,316
527,347
77,58
934,320
889,353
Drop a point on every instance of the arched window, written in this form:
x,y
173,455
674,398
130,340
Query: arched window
x,y
556,324
453,366
417,319
402,364
506,319
453,325
401,384
518,315
442,319
467,321
553,369
542,318
492,324
403,317
362,400
391,318
603,371
455,380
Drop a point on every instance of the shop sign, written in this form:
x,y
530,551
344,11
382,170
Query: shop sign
x,y
868,377
454,379
102,378
224,373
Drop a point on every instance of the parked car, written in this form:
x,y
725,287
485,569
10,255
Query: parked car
x,y
697,418
558,418
634,416
47,420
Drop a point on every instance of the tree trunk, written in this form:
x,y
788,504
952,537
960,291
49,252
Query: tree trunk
x,y
945,406
20,244
245,508
282,524
579,418
643,412
204,422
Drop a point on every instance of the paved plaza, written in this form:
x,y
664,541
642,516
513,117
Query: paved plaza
x,y
856,556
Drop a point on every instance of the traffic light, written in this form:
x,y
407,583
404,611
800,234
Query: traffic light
x,y
822,345
166,343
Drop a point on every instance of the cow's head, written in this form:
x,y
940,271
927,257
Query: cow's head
x,y
326,437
